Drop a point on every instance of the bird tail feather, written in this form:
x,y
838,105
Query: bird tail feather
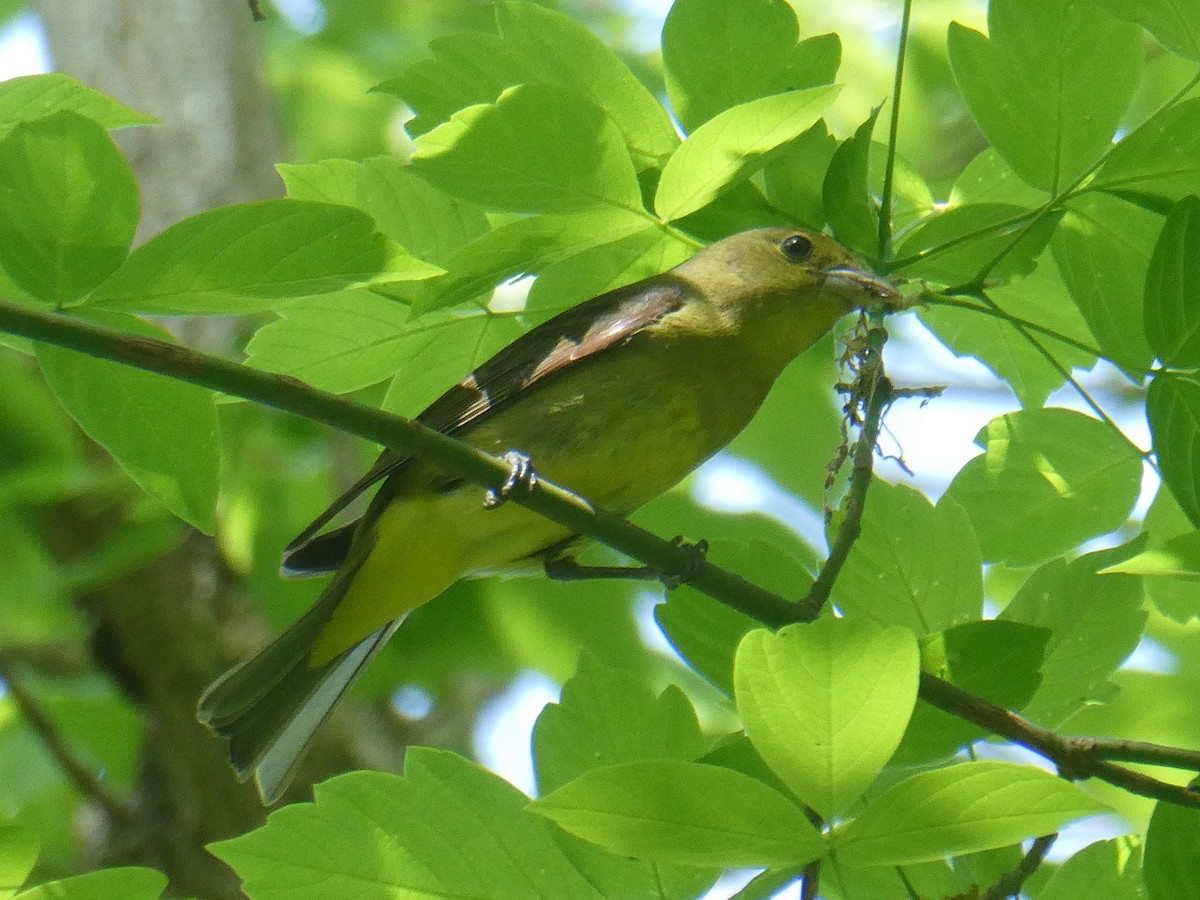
x,y
269,706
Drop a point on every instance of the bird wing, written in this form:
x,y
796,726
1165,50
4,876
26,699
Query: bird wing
x,y
549,349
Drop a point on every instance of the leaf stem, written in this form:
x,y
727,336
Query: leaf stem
x,y
884,249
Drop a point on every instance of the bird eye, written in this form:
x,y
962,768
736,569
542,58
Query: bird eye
x,y
796,247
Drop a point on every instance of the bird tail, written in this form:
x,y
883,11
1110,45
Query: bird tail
x,y
269,706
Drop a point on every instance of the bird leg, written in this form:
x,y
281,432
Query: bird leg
x,y
565,568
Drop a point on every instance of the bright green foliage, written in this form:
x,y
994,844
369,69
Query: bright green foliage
x,y
1102,249
1175,23
683,813
1172,285
1173,854
606,717
1173,408
446,829
1159,159
916,565
1177,557
1048,480
1031,363
719,55
163,432
732,146
1049,85
1094,622
131,883
960,809
34,97
1040,204
586,162
1107,869
18,853
72,221
706,633
849,206
239,258
825,704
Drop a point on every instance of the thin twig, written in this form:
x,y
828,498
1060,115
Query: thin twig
x,y
1070,755
40,722
811,881
884,249
872,391
1009,884
1139,752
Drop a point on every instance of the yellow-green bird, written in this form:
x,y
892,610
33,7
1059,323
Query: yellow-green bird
x,y
616,399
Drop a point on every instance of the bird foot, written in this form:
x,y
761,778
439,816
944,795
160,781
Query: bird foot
x,y
520,474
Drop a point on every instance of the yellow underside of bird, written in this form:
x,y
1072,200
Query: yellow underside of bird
x,y
425,540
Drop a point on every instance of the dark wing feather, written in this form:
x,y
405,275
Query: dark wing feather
x,y
551,347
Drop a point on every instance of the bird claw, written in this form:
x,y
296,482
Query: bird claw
x,y
520,474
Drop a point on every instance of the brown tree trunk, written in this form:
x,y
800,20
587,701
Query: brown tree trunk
x,y
195,66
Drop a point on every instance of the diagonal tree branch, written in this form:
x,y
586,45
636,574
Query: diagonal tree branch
x,y
1073,756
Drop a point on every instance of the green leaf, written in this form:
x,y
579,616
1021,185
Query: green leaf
x,y
1173,409
1175,597
1094,623
340,342
605,717
31,97
447,828
1160,157
795,176
18,853
955,245
530,245
437,349
129,883
1103,248
604,268
913,564
538,45
850,208
1107,869
826,704
464,69
581,160
1048,480
989,179
733,146
1176,23
800,394
558,50
1178,557
71,221
1171,866
1172,285
420,218
960,809
718,55
1050,85
685,813
1040,298
248,257
162,431
994,659
707,633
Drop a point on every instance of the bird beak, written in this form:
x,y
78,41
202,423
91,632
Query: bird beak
x,y
863,286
